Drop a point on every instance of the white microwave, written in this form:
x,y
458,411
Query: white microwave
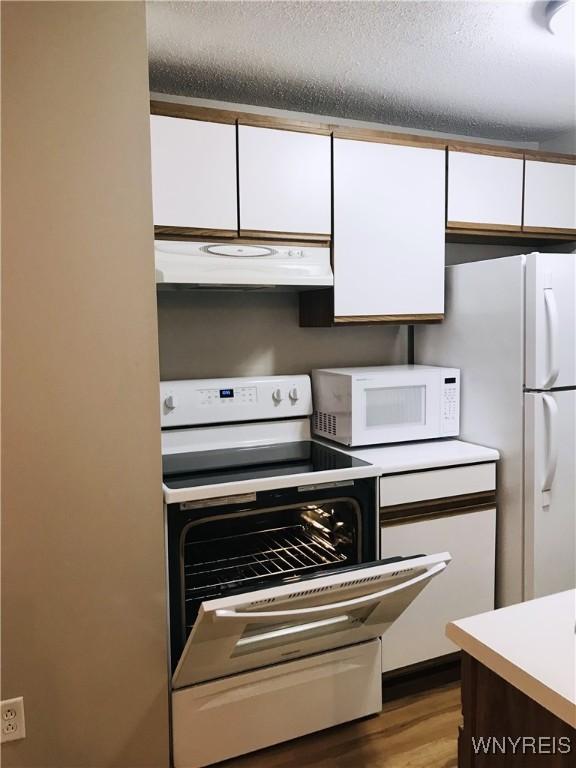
x,y
386,404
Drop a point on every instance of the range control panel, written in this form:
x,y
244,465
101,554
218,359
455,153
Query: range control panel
x,y
450,403
194,402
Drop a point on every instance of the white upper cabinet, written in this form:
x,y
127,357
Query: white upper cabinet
x,y
193,173
550,195
389,212
485,190
284,181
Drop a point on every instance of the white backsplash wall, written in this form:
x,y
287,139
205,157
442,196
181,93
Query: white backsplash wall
x,y
218,334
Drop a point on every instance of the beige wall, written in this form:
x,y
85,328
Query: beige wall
x,y
83,624
210,334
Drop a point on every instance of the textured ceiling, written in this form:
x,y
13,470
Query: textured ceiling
x,y
479,68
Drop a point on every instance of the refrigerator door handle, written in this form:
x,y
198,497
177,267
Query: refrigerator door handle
x,y
553,325
551,409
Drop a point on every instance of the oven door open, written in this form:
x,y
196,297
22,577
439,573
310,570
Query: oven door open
x,y
267,626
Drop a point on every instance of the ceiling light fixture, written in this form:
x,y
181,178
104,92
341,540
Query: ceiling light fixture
x,y
562,21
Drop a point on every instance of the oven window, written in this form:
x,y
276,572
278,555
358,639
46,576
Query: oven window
x,y
243,551
258,637
391,406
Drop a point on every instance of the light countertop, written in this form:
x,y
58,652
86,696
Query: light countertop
x,y
382,460
531,645
410,457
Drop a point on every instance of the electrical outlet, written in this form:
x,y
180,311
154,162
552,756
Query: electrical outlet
x,y
12,719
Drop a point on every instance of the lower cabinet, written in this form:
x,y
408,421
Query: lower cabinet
x,y
494,708
236,715
465,588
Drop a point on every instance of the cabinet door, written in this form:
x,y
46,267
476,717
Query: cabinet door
x,y
193,173
285,181
484,190
388,231
549,196
464,589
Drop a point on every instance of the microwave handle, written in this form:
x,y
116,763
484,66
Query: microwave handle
x,y
374,597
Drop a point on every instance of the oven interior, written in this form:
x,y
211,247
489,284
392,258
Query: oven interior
x,y
246,550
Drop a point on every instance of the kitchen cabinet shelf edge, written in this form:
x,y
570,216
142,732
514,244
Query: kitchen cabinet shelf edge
x,y
478,236
316,310
318,238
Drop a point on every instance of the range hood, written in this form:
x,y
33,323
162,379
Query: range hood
x,y
241,265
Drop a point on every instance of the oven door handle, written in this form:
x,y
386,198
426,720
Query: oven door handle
x,y
374,597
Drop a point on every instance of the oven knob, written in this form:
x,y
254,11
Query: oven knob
x,y
293,395
277,396
170,402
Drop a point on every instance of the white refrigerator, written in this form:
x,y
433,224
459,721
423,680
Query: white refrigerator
x,y
511,328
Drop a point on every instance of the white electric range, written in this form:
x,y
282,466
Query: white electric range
x,y
277,595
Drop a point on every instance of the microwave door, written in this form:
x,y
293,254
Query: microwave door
x,y
395,410
268,626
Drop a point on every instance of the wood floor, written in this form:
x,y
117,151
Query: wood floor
x,y
419,731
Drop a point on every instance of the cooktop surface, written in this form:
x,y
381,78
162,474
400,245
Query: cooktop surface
x,y
186,470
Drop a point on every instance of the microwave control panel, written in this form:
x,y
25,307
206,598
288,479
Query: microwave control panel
x,y
450,402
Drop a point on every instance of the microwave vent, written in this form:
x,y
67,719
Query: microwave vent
x,y
324,423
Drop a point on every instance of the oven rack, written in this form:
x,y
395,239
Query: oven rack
x,y
212,566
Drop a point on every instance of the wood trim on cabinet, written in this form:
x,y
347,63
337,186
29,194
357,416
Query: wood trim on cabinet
x,y
519,237
192,112
485,149
303,237
193,233
430,509
388,137
212,236
542,231
283,124
317,311
394,319
549,157
231,116
248,237
481,227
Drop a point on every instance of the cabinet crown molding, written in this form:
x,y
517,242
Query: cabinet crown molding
x,y
340,131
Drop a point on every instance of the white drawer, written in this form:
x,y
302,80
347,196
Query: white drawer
x,y
239,714
437,484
